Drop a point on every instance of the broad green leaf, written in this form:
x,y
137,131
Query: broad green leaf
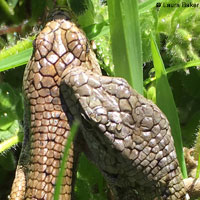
x,y
126,41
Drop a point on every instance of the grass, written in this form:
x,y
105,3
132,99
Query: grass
x,y
73,131
165,101
128,42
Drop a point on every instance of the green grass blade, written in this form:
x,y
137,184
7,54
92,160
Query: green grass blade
x,y
16,60
165,101
73,131
20,46
182,67
174,69
126,41
16,55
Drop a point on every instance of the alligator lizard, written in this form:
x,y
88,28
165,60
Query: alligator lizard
x,y
128,137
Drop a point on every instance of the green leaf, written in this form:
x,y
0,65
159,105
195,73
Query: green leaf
x,y
20,46
7,161
165,16
175,68
8,101
73,131
37,9
7,117
93,184
151,93
13,130
7,96
148,25
20,107
16,60
147,5
190,83
126,41
7,10
16,55
11,136
165,101
5,145
96,30
86,8
191,131
12,3
183,66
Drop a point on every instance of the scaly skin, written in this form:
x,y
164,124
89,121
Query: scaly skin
x,y
128,137
58,46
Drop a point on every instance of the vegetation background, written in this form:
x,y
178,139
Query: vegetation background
x,y
154,45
